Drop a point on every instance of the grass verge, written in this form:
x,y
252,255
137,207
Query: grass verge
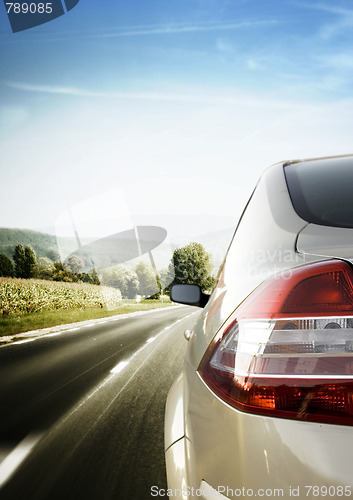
x,y
18,323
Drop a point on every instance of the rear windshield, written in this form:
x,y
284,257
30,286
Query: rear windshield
x,y
322,191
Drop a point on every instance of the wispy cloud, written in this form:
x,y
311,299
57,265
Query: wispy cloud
x,y
254,65
334,9
227,97
340,61
53,89
330,30
224,46
342,21
170,29
147,30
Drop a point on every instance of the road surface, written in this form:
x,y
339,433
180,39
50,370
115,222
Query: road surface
x,y
82,411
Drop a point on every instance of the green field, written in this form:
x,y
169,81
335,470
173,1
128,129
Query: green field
x,y
33,304
22,296
17,323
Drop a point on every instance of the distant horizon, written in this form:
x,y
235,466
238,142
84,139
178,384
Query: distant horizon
x,y
163,253
92,237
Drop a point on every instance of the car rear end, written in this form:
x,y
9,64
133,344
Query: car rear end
x,y
266,394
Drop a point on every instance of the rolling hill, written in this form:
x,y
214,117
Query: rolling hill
x,y
43,244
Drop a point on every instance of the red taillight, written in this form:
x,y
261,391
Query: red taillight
x,y
287,351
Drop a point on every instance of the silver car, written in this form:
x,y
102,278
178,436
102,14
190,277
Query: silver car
x,y
264,404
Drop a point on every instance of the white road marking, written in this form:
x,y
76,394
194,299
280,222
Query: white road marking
x,y
119,367
123,364
25,341
17,456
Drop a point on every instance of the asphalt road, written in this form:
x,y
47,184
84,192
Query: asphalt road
x,y
82,412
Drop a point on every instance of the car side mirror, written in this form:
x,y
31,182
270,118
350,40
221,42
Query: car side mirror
x,y
191,295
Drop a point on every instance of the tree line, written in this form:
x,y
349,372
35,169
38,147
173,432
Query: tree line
x,y
24,265
189,264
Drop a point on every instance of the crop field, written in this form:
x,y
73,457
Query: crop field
x,y
20,296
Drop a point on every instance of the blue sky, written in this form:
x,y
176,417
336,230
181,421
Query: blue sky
x,y
270,46
189,99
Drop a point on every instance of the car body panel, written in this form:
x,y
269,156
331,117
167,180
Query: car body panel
x,y
174,421
287,452
325,241
175,458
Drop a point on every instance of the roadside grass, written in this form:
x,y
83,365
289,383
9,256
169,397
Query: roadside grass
x,y
18,323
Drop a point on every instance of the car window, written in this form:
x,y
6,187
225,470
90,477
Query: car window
x,y
321,191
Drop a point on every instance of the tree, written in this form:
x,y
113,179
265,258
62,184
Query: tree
x,y
6,267
52,254
60,274
132,285
19,260
91,277
166,277
30,262
193,265
149,284
94,277
45,268
25,261
73,264
123,278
